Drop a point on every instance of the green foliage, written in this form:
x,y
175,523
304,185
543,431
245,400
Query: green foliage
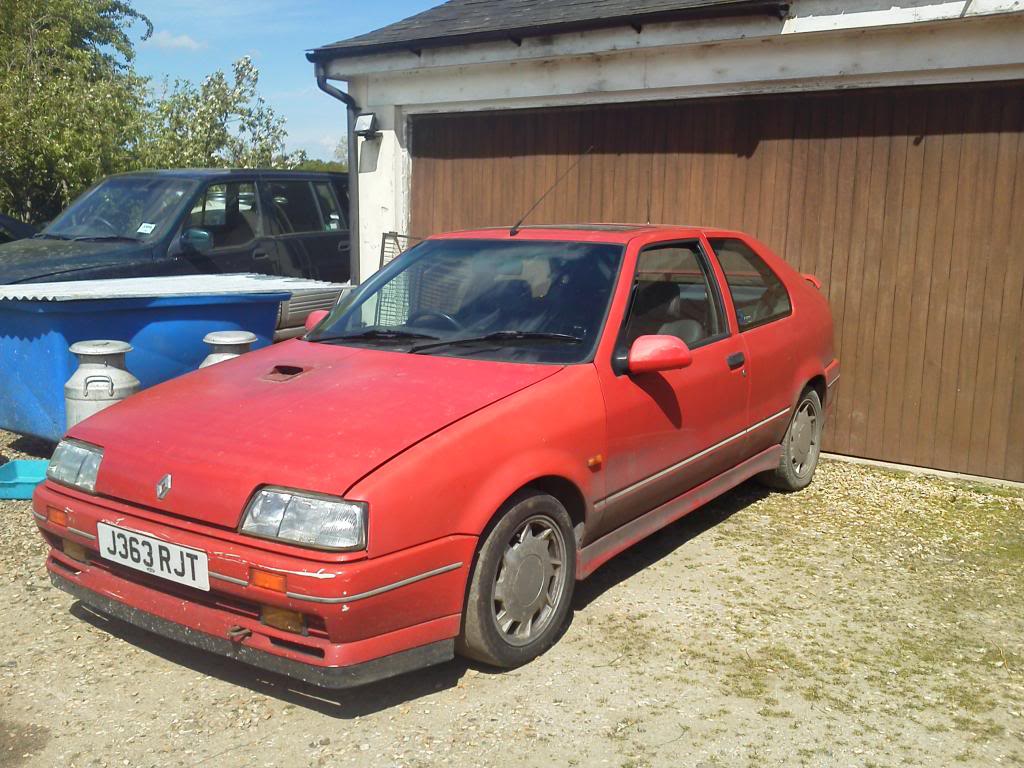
x,y
313,164
73,109
220,123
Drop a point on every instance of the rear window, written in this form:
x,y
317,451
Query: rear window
x,y
292,207
757,293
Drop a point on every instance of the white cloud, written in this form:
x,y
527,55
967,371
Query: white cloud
x,y
165,39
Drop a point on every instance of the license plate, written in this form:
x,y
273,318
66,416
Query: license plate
x,y
173,562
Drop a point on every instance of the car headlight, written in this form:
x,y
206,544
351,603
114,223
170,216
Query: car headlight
x,y
308,519
76,464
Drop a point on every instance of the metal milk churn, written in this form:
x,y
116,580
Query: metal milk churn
x,y
225,345
100,381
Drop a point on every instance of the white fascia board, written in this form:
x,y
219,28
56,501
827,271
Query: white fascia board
x,y
805,16
981,49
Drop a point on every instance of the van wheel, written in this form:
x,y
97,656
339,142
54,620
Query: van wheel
x,y
520,591
801,447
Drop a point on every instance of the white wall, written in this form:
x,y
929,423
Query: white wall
x,y
823,44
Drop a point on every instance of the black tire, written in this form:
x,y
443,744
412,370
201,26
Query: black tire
x,y
801,446
510,565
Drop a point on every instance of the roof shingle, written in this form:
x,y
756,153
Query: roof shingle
x,y
464,21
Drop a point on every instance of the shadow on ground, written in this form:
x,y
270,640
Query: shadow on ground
x,y
382,695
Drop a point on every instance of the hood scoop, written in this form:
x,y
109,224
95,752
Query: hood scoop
x,y
283,372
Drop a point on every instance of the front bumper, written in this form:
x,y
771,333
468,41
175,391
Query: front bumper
x,y
365,619
325,677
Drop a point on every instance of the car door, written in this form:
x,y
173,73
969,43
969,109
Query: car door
x,y
308,226
230,212
764,315
670,431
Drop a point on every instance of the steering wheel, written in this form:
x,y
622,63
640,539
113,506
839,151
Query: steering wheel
x,y
448,319
105,223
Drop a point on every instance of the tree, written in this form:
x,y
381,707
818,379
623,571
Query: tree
x,y
71,105
219,123
73,109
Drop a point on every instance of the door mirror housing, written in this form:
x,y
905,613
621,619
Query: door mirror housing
x,y
313,318
196,241
650,354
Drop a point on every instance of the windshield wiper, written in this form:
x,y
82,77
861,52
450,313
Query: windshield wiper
x,y
502,337
101,238
376,334
48,236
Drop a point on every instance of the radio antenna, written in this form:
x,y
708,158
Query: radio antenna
x,y
515,227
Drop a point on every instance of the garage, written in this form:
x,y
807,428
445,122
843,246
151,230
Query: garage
x,y
901,201
877,147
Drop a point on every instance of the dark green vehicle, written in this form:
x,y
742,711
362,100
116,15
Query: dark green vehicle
x,y
290,223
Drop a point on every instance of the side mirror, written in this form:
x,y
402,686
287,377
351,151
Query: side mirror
x,y
196,241
658,353
313,318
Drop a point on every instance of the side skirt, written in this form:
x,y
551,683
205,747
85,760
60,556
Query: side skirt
x,y
597,553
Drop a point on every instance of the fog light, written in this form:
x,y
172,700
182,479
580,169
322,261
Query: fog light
x,y
267,580
73,550
57,516
282,618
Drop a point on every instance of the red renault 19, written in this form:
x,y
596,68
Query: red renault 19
x,y
435,464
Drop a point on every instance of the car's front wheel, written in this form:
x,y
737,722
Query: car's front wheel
x,y
520,591
800,447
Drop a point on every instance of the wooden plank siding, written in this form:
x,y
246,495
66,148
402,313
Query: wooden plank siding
x,y
907,203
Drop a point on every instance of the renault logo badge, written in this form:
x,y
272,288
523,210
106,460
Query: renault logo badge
x,y
164,486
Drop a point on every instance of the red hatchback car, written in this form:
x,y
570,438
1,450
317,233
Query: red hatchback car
x,y
432,467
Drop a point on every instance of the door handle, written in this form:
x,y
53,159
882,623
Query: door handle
x,y
259,254
735,360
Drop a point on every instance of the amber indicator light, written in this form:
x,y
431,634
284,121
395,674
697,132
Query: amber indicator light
x,y
267,580
282,618
57,516
73,550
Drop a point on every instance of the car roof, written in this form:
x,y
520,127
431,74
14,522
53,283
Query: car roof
x,y
207,174
589,232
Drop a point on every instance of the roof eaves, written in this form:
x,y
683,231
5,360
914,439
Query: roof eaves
x,y
343,50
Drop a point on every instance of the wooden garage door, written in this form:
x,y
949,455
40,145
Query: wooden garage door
x,y
907,203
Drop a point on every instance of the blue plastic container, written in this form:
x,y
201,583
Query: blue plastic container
x,y
20,477
166,334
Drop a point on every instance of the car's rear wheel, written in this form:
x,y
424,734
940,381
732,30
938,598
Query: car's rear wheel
x,y
521,587
801,446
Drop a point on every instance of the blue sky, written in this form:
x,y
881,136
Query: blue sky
x,y
195,37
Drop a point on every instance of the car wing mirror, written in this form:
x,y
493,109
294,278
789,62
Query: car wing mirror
x,y
313,318
196,241
650,354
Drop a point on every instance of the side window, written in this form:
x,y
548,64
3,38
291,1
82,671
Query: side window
x,y
757,293
333,219
292,208
673,294
228,212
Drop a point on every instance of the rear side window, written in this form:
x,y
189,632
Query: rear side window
x,y
292,207
333,220
757,293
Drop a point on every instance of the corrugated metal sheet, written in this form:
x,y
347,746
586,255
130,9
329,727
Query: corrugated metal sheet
x,y
145,287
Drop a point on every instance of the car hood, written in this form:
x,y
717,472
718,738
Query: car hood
x,y
38,259
300,415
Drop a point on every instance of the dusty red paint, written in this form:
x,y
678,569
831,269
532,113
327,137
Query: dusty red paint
x,y
434,445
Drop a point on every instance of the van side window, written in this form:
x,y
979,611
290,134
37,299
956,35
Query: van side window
x,y
292,208
228,212
757,293
330,211
673,295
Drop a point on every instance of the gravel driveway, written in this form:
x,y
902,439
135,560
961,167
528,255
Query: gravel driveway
x,y
875,619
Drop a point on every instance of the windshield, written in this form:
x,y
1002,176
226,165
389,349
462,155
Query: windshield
x,y
528,301
138,208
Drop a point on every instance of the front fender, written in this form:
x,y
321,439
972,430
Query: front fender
x,y
454,481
